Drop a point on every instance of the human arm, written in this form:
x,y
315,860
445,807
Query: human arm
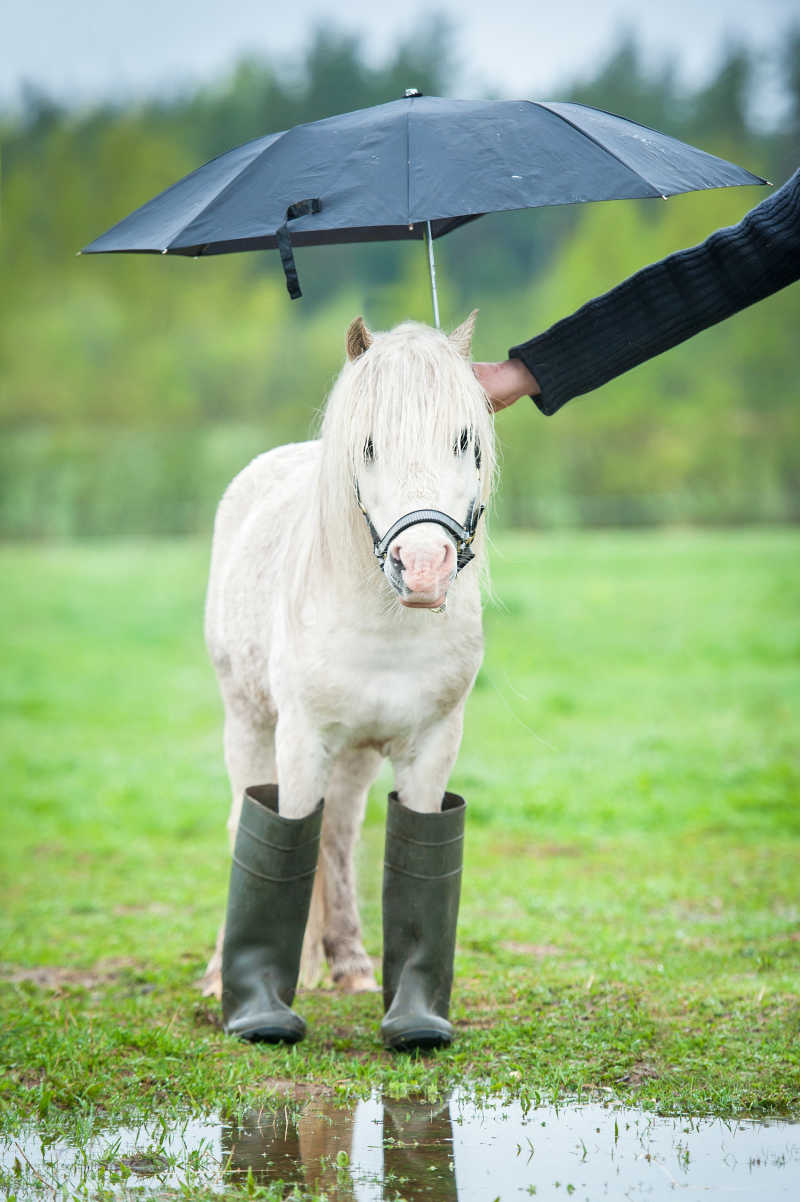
x,y
506,382
663,304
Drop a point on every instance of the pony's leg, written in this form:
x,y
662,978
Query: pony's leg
x,y
334,924
250,760
423,765
303,760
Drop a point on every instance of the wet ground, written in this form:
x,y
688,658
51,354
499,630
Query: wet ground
x,y
380,1149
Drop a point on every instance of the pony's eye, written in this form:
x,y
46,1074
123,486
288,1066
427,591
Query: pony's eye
x,y
369,451
463,441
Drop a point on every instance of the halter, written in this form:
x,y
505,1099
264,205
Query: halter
x,y
463,535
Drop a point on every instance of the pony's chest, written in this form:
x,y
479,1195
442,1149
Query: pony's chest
x,y
380,688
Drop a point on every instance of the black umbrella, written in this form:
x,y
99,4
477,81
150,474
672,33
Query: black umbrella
x,y
411,169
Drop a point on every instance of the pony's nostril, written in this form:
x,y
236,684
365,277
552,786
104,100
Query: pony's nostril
x,y
394,553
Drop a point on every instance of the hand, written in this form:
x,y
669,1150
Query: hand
x,y
506,382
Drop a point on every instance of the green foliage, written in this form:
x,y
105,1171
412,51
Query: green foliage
x,y
708,432
133,387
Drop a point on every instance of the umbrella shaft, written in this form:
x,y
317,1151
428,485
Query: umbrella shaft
x,y
432,269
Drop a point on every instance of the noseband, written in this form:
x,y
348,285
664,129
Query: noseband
x,y
463,535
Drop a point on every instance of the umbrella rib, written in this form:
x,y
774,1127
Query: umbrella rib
x,y
590,138
218,195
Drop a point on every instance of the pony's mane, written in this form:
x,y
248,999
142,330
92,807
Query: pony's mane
x,y
410,396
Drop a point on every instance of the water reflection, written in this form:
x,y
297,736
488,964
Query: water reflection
x,y
418,1151
459,1152
265,1144
372,1150
452,1151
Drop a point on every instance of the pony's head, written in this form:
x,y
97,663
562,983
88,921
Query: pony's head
x,y
408,429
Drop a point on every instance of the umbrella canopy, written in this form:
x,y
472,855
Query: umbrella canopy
x,y
409,169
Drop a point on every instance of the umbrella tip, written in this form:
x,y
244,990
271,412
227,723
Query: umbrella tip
x,y
411,92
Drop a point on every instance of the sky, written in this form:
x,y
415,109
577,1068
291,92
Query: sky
x,y
83,50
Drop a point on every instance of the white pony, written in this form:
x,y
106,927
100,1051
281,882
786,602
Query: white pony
x,y
336,646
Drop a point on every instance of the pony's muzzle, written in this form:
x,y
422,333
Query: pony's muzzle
x,y
422,565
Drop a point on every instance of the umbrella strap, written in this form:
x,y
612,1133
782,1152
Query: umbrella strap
x,y
301,208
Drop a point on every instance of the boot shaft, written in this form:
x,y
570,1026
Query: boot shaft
x,y
272,876
421,893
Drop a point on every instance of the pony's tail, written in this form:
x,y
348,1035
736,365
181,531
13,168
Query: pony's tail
x,y
312,957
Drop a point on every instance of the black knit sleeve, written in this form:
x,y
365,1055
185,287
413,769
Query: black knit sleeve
x,y
668,302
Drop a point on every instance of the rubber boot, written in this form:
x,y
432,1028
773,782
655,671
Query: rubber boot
x,y
421,889
272,875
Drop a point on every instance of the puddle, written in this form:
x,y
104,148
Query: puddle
x,y
379,1150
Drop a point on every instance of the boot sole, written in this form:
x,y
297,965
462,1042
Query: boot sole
x,y
269,1035
423,1040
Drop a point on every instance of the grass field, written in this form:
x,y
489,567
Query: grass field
x,y
631,905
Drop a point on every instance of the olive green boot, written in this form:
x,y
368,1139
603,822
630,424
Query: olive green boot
x,y
421,889
272,875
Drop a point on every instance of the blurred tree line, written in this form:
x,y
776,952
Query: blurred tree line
x,y
133,387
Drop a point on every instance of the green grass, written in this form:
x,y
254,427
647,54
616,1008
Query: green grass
x,y
631,904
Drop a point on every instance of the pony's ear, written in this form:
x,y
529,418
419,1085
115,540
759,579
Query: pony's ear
x,y
461,338
358,339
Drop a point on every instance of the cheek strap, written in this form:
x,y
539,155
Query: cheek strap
x,y
462,535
